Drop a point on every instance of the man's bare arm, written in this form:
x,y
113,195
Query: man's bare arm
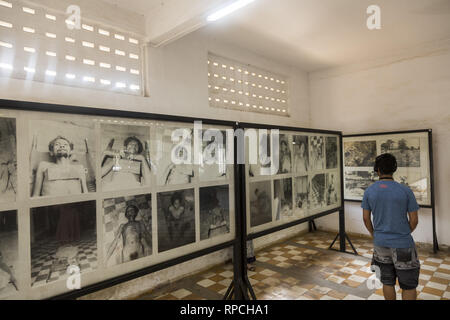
x,y
107,167
368,221
145,179
413,220
84,188
146,173
39,179
113,245
147,236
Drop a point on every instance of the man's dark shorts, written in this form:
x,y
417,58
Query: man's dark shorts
x,y
401,264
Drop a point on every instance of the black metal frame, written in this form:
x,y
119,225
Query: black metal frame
x,y
342,235
58,108
44,107
139,273
310,219
240,287
431,159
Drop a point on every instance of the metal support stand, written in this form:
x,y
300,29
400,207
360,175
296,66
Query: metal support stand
x,y
349,241
241,287
342,235
312,226
433,201
244,288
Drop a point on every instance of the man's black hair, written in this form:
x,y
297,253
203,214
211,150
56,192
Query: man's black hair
x,y
51,144
176,196
140,146
136,210
386,163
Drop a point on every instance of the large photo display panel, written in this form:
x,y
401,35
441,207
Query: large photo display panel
x,y
300,180
411,150
104,196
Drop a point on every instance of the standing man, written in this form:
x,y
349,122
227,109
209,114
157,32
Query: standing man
x,y
395,217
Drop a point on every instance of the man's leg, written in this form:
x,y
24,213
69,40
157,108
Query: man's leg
x,y
409,294
389,293
383,265
408,269
409,280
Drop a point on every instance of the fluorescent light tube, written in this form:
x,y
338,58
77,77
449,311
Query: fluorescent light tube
x,y
228,9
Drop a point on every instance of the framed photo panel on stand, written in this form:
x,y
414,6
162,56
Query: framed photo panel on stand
x,y
292,176
107,196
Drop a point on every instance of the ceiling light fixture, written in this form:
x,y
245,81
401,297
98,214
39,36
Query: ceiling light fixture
x,y
228,9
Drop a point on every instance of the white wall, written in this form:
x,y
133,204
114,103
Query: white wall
x,y
178,80
398,93
178,85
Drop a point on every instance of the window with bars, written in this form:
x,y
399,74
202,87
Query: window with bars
x,y
38,45
234,85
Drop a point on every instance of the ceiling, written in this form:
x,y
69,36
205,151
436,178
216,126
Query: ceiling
x,y
137,6
318,34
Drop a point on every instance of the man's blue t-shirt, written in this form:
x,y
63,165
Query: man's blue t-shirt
x,y
390,203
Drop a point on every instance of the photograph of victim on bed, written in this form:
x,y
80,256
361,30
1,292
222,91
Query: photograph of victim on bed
x,y
62,158
173,157
125,162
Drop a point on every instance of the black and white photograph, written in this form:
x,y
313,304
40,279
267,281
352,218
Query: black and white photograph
x,y
301,188
62,236
260,203
8,160
331,148
285,156
405,150
213,165
416,182
62,158
317,152
360,153
125,161
214,211
9,253
318,192
356,183
127,229
168,171
332,193
176,219
263,156
283,199
301,154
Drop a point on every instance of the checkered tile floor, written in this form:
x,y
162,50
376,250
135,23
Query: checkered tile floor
x,y
42,260
303,268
